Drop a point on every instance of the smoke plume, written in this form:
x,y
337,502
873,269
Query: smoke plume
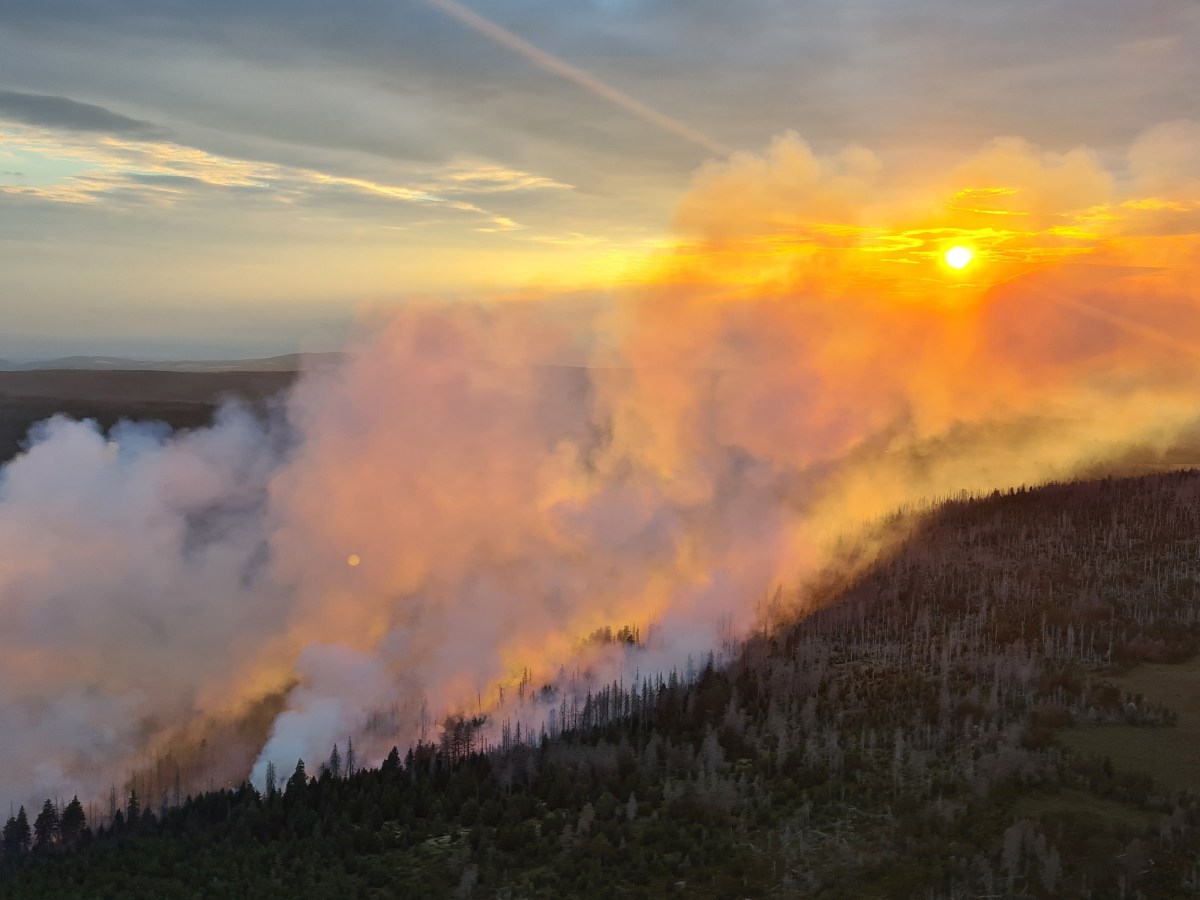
x,y
438,524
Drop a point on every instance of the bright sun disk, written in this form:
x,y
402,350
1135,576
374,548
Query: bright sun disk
x,y
958,257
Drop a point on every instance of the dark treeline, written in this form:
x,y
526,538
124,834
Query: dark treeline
x,y
898,743
178,399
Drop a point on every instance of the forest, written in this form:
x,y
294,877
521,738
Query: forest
x,y
903,740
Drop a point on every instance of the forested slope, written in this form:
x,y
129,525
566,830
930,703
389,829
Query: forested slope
x,y
900,742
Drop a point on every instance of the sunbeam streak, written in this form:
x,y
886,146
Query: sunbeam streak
x,y
563,69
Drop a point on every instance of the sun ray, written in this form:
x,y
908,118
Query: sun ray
x,y
563,69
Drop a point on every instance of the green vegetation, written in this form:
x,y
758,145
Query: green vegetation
x,y
1083,808
1169,755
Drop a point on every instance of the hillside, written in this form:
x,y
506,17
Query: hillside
x,y
180,399
290,362
929,733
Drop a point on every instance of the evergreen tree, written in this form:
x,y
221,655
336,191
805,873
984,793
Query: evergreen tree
x,y
22,837
391,765
46,826
73,823
299,780
11,839
335,763
271,785
133,809
350,760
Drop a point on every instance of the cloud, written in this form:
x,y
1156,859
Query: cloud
x,y
795,219
167,173
1163,159
62,112
478,177
397,95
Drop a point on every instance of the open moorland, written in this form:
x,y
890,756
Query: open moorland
x,y
180,399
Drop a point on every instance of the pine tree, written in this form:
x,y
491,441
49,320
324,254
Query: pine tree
x,y
46,826
299,780
391,765
350,760
22,836
133,809
11,840
271,785
335,763
73,823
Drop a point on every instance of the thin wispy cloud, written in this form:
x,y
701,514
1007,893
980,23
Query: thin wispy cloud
x,y
109,168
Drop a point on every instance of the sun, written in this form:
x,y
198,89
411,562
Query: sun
x,y
959,257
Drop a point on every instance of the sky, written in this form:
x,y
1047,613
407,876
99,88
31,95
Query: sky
x,y
244,178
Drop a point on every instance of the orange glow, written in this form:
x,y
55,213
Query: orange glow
x,y
792,222
801,316
796,361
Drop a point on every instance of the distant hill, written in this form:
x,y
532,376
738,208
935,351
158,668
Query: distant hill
x,y
291,362
182,398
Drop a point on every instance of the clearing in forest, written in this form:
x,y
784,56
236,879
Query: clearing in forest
x,y
1170,755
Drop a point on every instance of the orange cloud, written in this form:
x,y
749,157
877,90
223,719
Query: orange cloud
x,y
805,308
793,221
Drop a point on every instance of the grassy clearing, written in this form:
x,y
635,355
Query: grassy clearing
x,y
1169,755
1081,806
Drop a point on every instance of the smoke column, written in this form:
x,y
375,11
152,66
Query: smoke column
x,y
439,522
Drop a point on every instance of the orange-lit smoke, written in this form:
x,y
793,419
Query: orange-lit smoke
x,y
799,362
816,290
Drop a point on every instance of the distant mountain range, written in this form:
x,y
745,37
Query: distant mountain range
x,y
290,362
